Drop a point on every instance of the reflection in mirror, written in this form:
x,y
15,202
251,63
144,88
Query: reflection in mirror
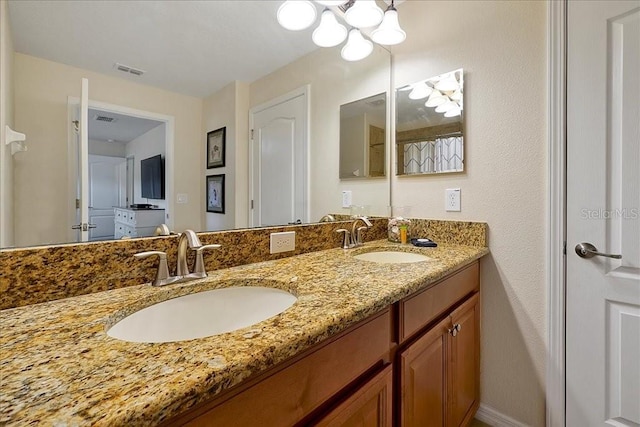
x,y
429,125
190,91
362,137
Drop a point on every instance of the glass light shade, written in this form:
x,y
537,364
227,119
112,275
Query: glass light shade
x,y
456,96
330,32
420,91
364,14
331,2
436,98
447,84
389,31
357,47
449,105
453,112
296,15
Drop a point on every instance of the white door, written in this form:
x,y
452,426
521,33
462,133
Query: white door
x,y
79,150
603,200
107,179
279,162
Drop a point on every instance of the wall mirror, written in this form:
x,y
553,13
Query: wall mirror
x,y
430,125
363,138
75,39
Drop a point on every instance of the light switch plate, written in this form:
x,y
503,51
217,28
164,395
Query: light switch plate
x,y
452,200
182,198
347,199
283,242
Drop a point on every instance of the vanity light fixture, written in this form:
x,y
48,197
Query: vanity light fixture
x,y
364,14
296,15
330,32
420,91
435,99
453,112
331,2
447,84
389,32
301,14
357,46
446,106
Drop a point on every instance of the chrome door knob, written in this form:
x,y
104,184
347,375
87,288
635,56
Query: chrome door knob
x,y
587,250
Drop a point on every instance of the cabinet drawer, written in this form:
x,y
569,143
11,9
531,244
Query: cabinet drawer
x,y
418,310
369,406
293,392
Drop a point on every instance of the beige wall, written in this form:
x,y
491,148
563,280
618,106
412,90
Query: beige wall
x,y
41,91
242,155
219,110
6,118
501,46
333,82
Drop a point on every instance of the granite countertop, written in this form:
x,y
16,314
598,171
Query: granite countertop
x,y
59,366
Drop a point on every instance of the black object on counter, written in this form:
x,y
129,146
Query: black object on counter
x,y
424,243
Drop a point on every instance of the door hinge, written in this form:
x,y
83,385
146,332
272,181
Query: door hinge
x,y
252,204
251,133
77,203
564,248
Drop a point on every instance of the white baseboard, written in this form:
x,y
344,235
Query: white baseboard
x,y
490,416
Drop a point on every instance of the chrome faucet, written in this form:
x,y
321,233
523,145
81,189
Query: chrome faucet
x,y
353,238
327,218
356,233
188,240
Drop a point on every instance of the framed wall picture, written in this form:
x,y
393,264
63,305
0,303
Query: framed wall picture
x,y
216,141
215,193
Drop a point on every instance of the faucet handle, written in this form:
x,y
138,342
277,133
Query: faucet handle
x,y
199,269
358,237
346,242
162,274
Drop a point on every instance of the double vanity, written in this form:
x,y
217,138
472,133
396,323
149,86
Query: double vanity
x,y
365,342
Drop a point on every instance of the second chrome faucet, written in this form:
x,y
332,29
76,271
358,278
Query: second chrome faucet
x,y
188,240
353,238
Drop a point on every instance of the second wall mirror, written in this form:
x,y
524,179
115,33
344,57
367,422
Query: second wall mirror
x,y
362,137
429,125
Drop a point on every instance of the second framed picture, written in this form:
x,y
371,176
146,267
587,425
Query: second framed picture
x,y
215,193
216,141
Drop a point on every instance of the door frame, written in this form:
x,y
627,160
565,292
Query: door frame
x,y
303,90
169,123
556,212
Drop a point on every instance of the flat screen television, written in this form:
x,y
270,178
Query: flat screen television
x,y
152,177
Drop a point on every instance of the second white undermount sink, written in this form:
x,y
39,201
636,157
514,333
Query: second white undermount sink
x,y
202,314
392,257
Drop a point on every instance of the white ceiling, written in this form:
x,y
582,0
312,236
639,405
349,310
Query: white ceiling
x,y
123,129
190,47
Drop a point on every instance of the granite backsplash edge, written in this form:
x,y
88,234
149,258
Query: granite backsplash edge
x,y
40,274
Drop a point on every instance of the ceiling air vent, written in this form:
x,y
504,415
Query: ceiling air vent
x,y
105,119
127,69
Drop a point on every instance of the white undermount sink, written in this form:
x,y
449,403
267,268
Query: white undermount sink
x,y
392,257
202,314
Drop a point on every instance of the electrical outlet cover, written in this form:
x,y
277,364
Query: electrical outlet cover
x,y
283,242
452,200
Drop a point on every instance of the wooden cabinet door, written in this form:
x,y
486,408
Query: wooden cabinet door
x,y
464,362
423,379
369,406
